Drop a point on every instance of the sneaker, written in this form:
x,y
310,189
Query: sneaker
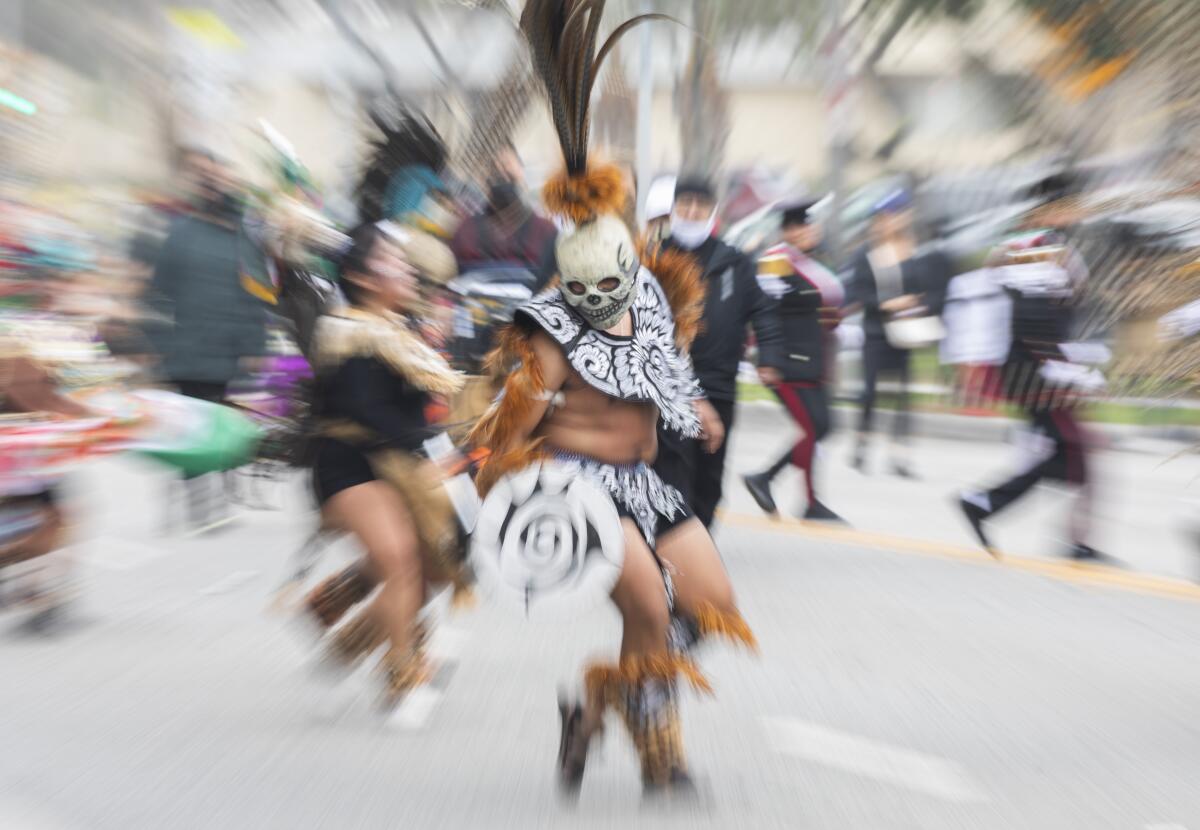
x,y
976,516
759,485
817,512
902,470
1086,553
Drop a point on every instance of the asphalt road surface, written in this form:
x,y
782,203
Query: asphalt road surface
x,y
905,680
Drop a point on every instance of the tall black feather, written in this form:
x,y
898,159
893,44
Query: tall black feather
x,y
562,37
407,139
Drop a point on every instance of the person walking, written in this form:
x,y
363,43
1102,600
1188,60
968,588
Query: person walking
x,y
899,290
733,301
1045,374
810,297
213,323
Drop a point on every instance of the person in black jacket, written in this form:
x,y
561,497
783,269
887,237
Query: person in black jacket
x,y
372,474
810,297
733,300
893,279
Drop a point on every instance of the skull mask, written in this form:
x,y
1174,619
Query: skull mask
x,y
598,266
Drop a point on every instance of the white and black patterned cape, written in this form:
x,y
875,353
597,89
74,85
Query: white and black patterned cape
x,y
645,367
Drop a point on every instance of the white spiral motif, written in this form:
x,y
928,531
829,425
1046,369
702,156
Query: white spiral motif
x,y
548,542
590,359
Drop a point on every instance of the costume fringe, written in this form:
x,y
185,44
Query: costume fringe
x,y
515,360
353,333
358,637
680,277
605,681
583,197
499,465
713,622
463,596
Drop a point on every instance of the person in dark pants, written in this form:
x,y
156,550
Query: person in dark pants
x,y
214,322
733,301
1043,275
892,280
810,298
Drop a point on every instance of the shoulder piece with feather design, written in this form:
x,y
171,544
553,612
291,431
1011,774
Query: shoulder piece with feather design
x,y
646,366
353,333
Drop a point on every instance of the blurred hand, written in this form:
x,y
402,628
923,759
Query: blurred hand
x,y
898,304
712,431
769,375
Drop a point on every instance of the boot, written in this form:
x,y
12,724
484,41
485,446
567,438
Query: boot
x,y
331,599
975,516
355,640
403,670
818,512
651,715
575,739
642,691
759,485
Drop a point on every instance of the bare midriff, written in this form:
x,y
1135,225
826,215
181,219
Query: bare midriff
x,y
590,423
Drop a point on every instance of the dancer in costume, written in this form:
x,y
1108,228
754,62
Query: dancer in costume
x,y
809,297
590,369
374,380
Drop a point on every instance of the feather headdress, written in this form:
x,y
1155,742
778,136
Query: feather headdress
x,y
562,36
403,164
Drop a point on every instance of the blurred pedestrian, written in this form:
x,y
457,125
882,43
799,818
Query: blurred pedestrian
x,y
659,198
733,302
810,297
899,290
213,322
1045,374
507,231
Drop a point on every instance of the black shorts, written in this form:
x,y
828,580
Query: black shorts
x,y
337,466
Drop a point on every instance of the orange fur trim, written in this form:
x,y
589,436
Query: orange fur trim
x,y
515,360
579,198
500,464
679,274
604,681
728,624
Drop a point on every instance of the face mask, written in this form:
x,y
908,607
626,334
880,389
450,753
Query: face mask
x,y
503,194
220,204
598,267
691,234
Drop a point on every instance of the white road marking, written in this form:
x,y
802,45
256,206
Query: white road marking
x,y
1165,827
895,765
229,583
415,710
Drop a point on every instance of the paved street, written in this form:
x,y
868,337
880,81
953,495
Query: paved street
x,y
905,680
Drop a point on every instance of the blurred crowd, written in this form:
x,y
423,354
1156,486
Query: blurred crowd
x,y
1027,291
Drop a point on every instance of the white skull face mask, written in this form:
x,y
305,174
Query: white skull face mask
x,y
598,265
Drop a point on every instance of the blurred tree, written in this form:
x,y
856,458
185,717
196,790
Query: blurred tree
x,y
716,28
